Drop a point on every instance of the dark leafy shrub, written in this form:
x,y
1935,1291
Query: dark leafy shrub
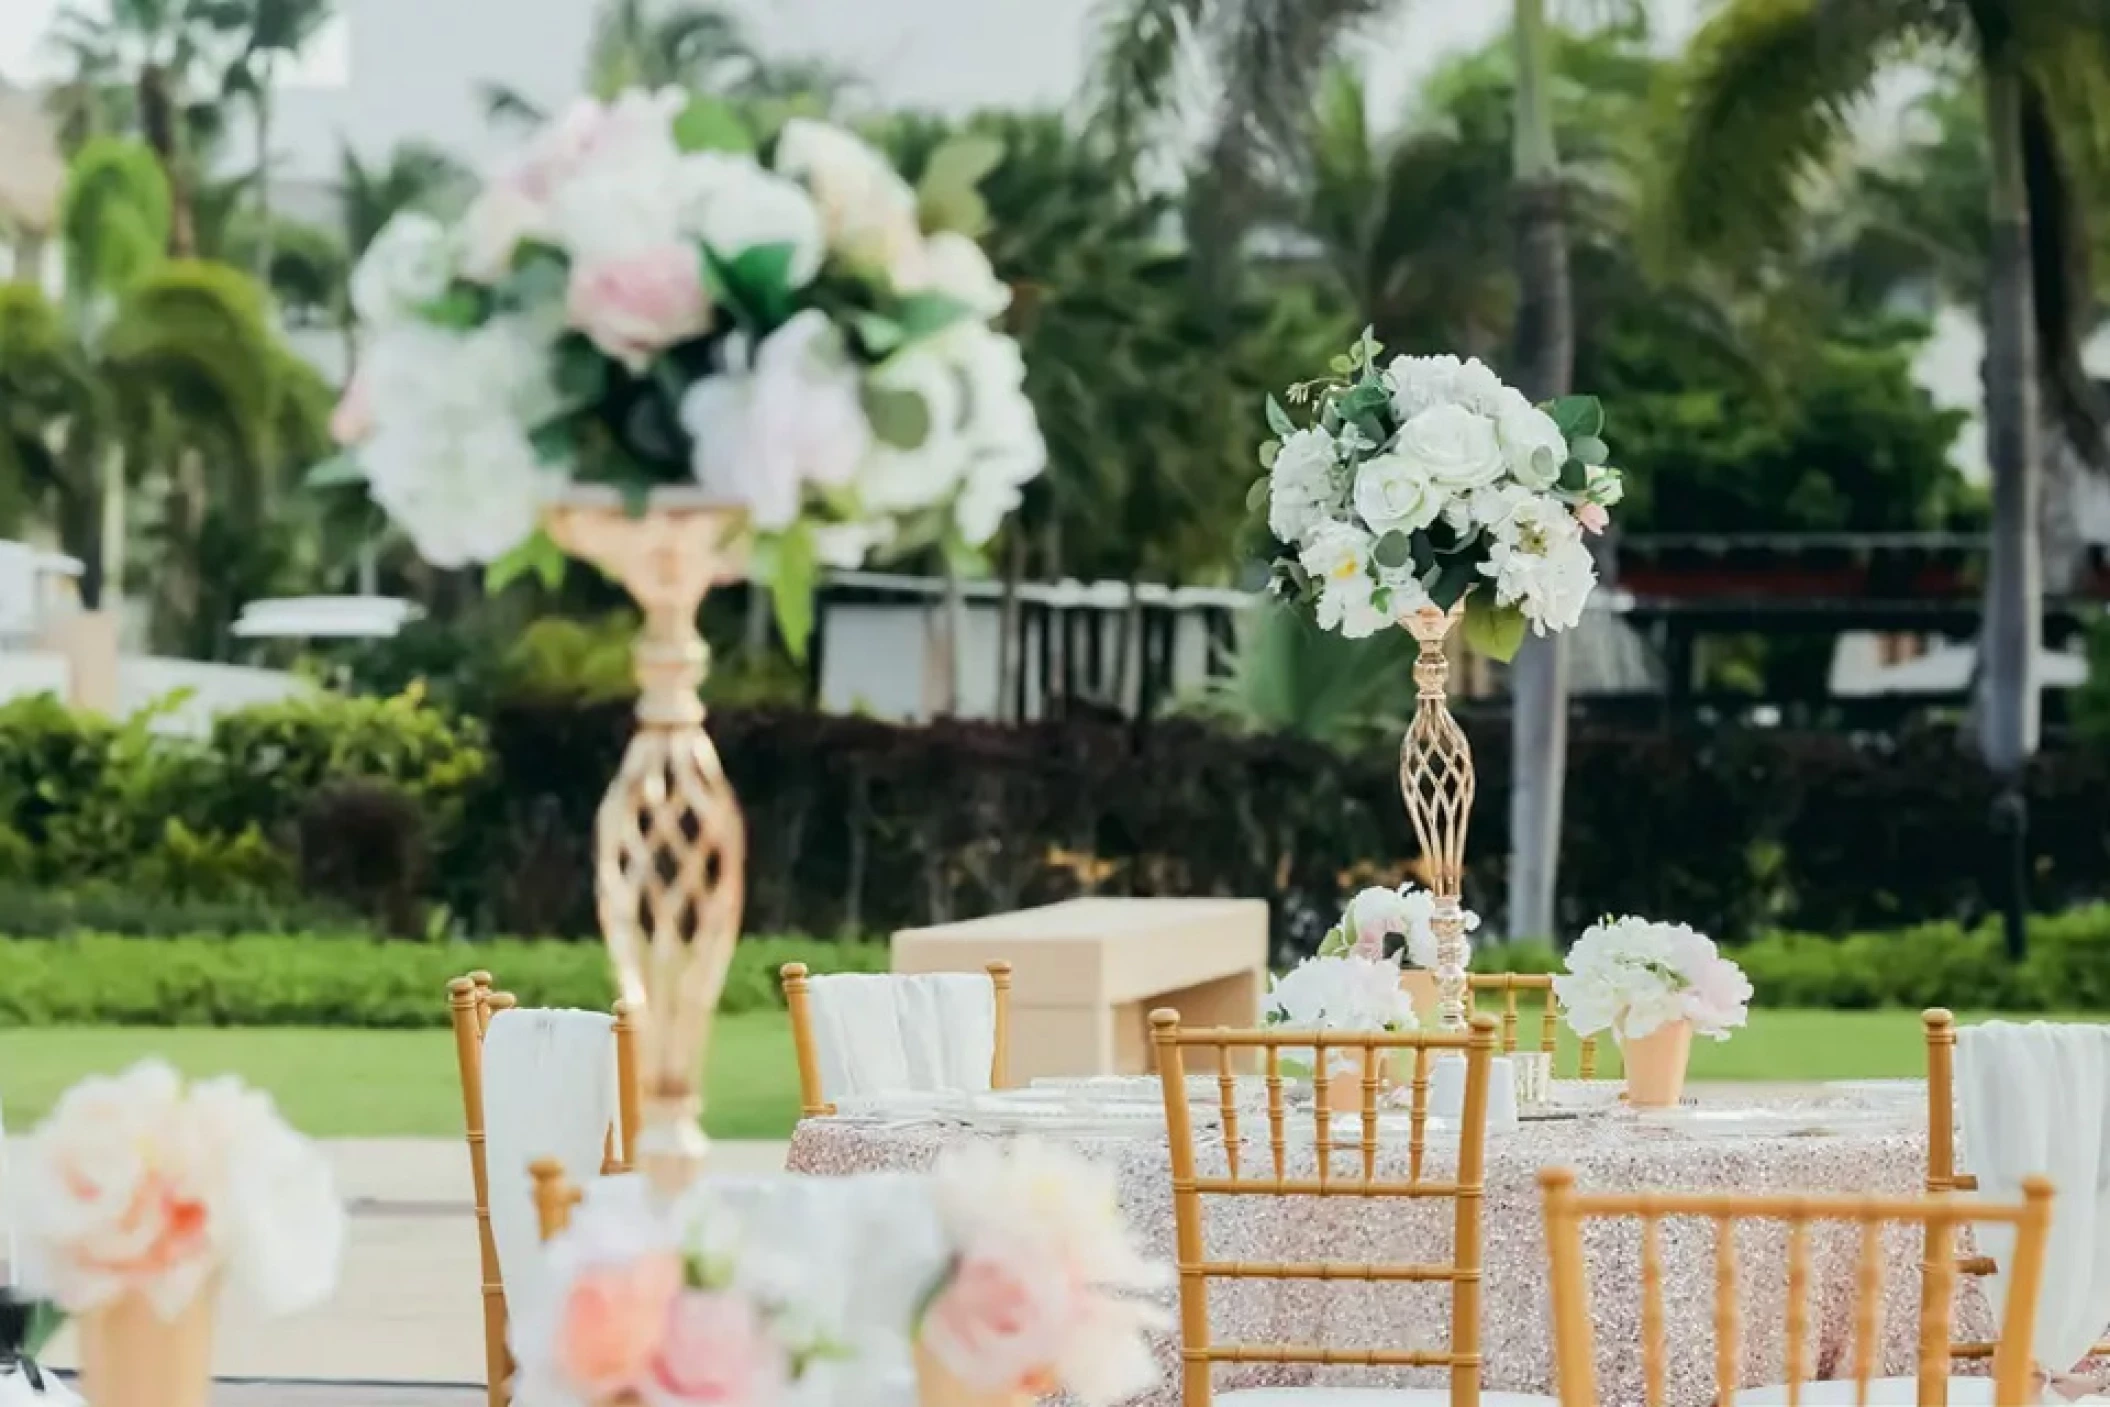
x,y
363,845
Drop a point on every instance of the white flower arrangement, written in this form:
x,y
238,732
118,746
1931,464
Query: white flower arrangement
x,y
1378,914
1632,977
1042,1293
1421,479
1350,992
665,1307
648,294
141,1185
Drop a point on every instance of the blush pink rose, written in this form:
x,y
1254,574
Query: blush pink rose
x,y
717,1350
637,306
1004,1318
612,1322
1593,517
353,419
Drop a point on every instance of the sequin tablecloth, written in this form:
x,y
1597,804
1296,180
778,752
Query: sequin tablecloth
x,y
1608,1150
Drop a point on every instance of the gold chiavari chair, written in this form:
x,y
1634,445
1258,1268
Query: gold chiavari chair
x,y
471,1003
1942,1172
1574,1346
798,1000
1464,1188
1509,984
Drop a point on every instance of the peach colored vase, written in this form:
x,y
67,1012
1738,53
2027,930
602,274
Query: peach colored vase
x,y
132,1357
1655,1065
1420,987
937,1387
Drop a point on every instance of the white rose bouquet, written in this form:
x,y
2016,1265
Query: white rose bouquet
x,y
1377,915
141,1186
1350,992
1421,479
649,295
1632,977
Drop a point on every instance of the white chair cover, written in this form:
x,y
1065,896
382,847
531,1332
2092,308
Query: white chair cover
x,y
859,1252
2034,1100
887,1034
549,1092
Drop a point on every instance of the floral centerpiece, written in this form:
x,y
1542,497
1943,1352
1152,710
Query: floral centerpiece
x,y
1376,916
650,294
1653,986
1350,992
665,1308
140,1199
1041,1294
1418,479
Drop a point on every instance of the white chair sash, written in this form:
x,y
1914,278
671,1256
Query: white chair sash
x,y
885,1034
549,1092
2033,1100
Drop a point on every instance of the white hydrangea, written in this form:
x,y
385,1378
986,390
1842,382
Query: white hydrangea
x,y
1539,562
1302,492
1347,993
408,265
1632,976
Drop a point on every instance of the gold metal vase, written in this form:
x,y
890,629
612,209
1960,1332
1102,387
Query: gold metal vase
x,y
1436,778
670,845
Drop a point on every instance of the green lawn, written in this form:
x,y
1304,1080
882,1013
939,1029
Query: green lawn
x,y
336,1083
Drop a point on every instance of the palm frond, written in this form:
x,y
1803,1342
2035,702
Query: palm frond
x,y
1137,47
508,105
1766,100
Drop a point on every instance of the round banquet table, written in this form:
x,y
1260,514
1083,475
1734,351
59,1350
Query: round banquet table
x,y
1876,1144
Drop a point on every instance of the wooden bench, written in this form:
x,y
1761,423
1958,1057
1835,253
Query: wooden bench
x,y
1085,974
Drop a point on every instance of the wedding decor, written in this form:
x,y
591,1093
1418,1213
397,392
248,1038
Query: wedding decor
x,y
651,1304
26,1326
1653,986
141,1199
1421,493
1349,992
1042,1292
687,352
1376,915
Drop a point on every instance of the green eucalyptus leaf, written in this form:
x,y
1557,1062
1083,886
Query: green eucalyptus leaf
x,y
580,372
1393,551
949,196
1491,630
1278,419
879,334
1269,449
1577,416
1575,476
899,418
460,308
339,469
1590,450
755,284
710,124
538,280
1256,496
924,314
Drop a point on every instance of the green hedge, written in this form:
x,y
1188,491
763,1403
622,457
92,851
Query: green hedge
x,y
318,980
1939,964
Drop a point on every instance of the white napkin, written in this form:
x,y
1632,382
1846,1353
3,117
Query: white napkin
x,y
549,1092
881,1034
2034,1099
856,1253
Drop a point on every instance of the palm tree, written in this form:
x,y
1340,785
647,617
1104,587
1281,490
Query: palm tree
x,y
1772,86
32,178
273,32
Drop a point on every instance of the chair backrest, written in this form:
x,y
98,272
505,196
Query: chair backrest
x,y
1223,1053
471,1003
1511,983
1574,1342
798,986
1943,1175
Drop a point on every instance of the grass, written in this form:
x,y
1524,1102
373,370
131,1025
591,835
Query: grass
x,y
350,1083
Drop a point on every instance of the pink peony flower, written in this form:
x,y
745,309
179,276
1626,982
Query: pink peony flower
x,y
637,306
1593,517
1719,996
353,419
1005,1317
611,1323
717,1350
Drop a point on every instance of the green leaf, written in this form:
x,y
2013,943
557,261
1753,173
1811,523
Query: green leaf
x,y
708,124
879,334
538,556
1589,449
460,308
339,469
1393,551
552,441
794,574
923,314
1341,365
1491,630
580,373
1577,416
45,1321
956,212
756,284
949,196
1575,476
538,280
1278,419
899,418
1366,400
1256,496
1269,449
1453,579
